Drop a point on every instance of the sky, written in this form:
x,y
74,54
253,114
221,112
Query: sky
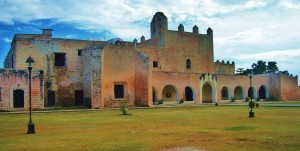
x,y
244,31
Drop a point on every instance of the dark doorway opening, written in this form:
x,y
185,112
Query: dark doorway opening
x,y
79,99
262,92
51,98
224,94
189,94
18,98
153,96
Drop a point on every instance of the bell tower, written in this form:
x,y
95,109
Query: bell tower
x,y
159,27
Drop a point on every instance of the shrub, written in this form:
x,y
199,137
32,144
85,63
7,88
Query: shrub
x,y
65,103
257,105
233,99
124,109
160,101
140,103
251,104
181,101
258,99
247,99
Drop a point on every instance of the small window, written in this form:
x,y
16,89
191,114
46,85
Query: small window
x,y
155,64
188,64
79,52
119,91
60,59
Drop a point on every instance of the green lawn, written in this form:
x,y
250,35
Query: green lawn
x,y
205,128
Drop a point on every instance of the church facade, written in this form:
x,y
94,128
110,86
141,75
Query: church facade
x,y
171,65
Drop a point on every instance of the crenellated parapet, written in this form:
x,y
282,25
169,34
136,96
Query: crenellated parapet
x,y
224,68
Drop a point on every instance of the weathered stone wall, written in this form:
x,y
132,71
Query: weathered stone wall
x,y
63,80
289,88
96,75
180,46
11,80
121,64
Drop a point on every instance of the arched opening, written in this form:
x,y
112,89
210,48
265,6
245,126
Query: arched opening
x,y
188,63
18,98
238,93
224,93
262,92
170,94
207,93
189,96
154,95
251,93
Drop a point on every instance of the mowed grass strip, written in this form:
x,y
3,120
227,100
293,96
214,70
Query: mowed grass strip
x,y
203,128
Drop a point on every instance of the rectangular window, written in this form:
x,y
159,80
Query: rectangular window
x,y
79,52
155,64
60,59
119,91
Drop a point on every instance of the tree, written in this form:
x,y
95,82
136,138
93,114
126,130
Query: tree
x,y
272,67
240,71
260,67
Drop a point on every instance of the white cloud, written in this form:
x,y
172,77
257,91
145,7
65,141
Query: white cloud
x,y
276,55
290,4
7,40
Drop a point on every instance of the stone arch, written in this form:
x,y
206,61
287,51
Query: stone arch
x,y
170,94
18,98
251,93
225,93
263,92
189,94
208,93
239,93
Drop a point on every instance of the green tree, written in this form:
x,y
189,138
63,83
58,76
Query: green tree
x,y
240,71
260,67
272,67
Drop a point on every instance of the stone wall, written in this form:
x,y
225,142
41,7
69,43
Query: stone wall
x,y
121,64
289,88
11,80
64,80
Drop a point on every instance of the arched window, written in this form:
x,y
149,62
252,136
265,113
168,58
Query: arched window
x,y
188,63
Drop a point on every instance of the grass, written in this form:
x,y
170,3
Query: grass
x,y
205,128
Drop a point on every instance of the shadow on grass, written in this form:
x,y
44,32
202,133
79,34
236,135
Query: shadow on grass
x,y
239,128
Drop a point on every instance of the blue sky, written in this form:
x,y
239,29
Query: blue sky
x,y
244,31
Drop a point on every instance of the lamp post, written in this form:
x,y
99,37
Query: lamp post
x,y
30,62
251,103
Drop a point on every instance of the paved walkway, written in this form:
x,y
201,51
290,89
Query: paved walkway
x,y
165,105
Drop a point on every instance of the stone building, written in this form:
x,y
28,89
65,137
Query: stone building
x,y
170,66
